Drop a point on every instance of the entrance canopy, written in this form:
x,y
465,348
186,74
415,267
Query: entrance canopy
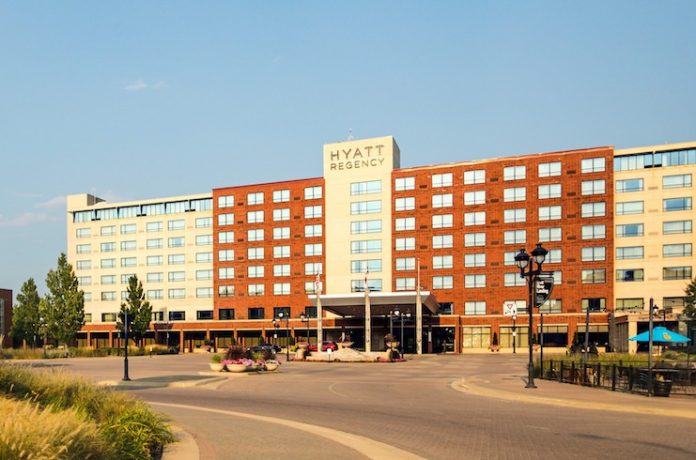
x,y
381,303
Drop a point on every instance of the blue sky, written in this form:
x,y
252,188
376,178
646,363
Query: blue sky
x,y
136,100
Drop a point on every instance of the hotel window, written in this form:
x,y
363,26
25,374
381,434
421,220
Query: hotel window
x,y
554,256
364,247
313,212
593,254
255,271
557,277
204,275
444,221
281,196
629,252
405,263
255,235
629,274
312,193
629,207
514,236
549,191
365,226
404,183
178,293
474,177
204,240
405,284
128,245
311,231
629,304
174,277
676,273
153,277
676,227
513,279
594,276
404,204
514,173
405,244
226,237
550,234
592,165
84,280
204,257
311,268
281,233
440,262
108,263
474,239
362,266
204,222
153,260
108,279
108,317
107,247
129,261
629,230
225,291
594,304
629,185
677,181
176,242
550,169
676,250
154,294
255,253
281,288
83,248
281,214
83,232
153,243
593,187
515,194
476,307
474,281
177,315
281,252
226,219
474,260
226,201
255,198
405,223
176,207
474,218
594,232
254,290
364,207
442,201
676,204
443,282
550,212
177,224
594,209
476,197
127,229
255,313
446,241
153,227
674,302
203,315
514,215
366,188
175,259
442,180
255,217
374,285
111,230
314,249
509,258
226,255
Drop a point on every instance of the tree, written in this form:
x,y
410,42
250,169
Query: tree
x,y
26,318
64,310
690,300
139,311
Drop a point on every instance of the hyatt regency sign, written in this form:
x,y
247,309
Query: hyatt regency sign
x,y
355,158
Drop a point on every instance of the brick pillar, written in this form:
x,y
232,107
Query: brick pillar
x,y
458,336
181,341
111,339
89,339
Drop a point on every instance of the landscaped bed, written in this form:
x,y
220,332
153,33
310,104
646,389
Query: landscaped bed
x,y
56,415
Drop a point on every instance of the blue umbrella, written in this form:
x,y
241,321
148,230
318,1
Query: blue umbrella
x,y
661,335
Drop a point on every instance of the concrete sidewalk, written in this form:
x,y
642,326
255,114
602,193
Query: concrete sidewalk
x,y
512,388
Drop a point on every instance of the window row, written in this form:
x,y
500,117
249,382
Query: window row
x,y
279,196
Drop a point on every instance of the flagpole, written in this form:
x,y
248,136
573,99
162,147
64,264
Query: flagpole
x,y
320,326
368,314
419,312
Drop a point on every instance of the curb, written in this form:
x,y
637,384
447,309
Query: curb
x,y
466,386
185,447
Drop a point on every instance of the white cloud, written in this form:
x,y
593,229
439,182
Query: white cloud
x,y
24,219
52,203
142,85
159,85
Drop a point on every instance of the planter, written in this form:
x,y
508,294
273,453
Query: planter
x,y
662,388
271,366
394,344
495,347
342,345
217,367
236,367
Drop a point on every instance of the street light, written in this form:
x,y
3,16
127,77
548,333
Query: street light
x,y
305,319
282,315
514,333
126,378
523,260
652,311
402,319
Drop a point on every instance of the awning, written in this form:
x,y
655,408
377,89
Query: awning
x,y
660,335
381,303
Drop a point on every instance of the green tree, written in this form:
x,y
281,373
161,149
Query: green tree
x,y
64,309
139,311
690,300
26,318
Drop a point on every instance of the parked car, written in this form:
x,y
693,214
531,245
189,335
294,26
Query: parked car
x,y
325,346
265,346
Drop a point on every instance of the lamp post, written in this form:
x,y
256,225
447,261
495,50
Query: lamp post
x,y
126,378
403,318
514,334
305,319
523,260
652,310
282,315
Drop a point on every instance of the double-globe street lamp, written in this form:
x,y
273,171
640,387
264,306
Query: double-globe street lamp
x,y
305,319
276,323
524,261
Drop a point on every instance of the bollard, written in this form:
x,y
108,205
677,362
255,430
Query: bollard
x,y
613,377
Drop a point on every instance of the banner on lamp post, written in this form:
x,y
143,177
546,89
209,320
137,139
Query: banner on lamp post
x,y
542,290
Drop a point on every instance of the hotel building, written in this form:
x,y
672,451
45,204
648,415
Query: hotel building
x,y
436,243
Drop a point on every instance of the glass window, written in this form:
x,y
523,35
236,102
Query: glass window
x,y
594,209
475,260
514,279
83,232
593,254
108,263
445,241
255,198
629,252
153,227
593,187
472,218
256,289
474,177
83,248
676,273
255,271
629,207
154,294
404,183
362,266
176,242
365,247
281,196
629,185
440,262
204,275
109,230
405,204
176,276
311,268
550,212
129,261
255,313
446,220
405,244
225,201
554,256
550,169
176,259
204,222
677,181
629,304
676,204
594,276
474,281
176,294
107,247
282,270
84,264
629,274
108,279
676,250
405,223
477,307
255,235
442,282
372,284
178,224
312,231
255,253
474,239
312,212
514,236
154,277
514,173
281,288
153,260
366,207
514,215
509,258
365,188
676,226
280,215
314,249
592,165
255,217
442,180
405,263
365,226
225,291
127,229
594,304
281,233
405,284
476,197
515,194
442,201
226,237
281,252
629,230
312,193
226,219
594,232
549,191
550,234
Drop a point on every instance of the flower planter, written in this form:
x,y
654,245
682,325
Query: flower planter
x,y
271,366
216,367
236,367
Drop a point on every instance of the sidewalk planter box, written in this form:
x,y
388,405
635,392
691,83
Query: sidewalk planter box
x,y
662,388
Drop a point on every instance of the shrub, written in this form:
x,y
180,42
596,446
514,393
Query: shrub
x,y
235,352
